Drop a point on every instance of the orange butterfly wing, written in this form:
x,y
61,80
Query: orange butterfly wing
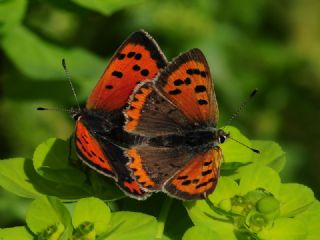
x,y
110,163
90,151
187,83
198,178
139,58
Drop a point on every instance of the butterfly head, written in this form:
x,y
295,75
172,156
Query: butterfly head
x,y
221,136
76,114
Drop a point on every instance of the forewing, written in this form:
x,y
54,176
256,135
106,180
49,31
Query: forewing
x,y
198,178
151,114
138,58
187,83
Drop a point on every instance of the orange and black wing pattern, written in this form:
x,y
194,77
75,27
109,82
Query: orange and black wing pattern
x,y
91,152
187,83
139,58
198,178
107,159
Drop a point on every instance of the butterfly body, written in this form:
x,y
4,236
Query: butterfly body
x,y
195,140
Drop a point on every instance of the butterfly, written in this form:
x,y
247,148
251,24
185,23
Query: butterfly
x,y
99,136
178,113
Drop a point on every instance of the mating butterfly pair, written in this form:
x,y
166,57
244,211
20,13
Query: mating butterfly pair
x,y
150,124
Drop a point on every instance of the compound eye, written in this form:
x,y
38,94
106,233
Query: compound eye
x,y
76,116
222,139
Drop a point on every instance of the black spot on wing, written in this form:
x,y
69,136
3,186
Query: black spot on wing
x,y
121,56
131,54
136,67
195,181
138,56
186,182
202,102
117,74
206,183
178,82
205,173
193,71
203,74
187,81
200,88
175,92
182,177
196,71
144,72
207,163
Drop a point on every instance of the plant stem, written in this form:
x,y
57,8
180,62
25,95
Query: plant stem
x,y
163,216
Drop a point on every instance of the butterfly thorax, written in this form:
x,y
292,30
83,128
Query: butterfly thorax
x,y
107,126
199,140
99,121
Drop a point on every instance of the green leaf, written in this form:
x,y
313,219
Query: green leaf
x,y
104,187
14,179
311,218
41,60
107,7
200,233
130,225
164,237
202,215
51,161
294,198
285,229
225,189
271,154
259,176
224,229
11,14
233,151
92,210
18,176
15,233
45,212
177,221
200,211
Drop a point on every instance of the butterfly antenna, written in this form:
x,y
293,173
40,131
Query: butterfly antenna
x,y
242,106
237,113
64,65
252,149
56,109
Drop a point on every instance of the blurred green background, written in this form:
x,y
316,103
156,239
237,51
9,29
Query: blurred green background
x,y
273,45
